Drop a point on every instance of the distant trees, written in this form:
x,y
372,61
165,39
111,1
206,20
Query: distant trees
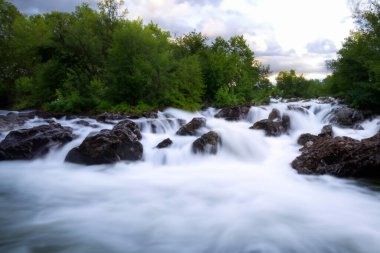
x,y
356,71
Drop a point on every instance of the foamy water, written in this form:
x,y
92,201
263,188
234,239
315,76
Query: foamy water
x,y
246,198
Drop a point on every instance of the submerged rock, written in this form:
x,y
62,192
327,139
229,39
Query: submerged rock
x,y
341,157
109,146
207,143
234,113
26,144
165,143
191,127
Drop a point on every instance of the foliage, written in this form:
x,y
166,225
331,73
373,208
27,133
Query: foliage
x,y
356,71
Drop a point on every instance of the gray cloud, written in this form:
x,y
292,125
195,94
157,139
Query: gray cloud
x,y
42,6
322,46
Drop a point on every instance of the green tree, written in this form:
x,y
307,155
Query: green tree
x,y
356,71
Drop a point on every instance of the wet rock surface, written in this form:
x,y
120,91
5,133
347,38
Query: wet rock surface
x,y
109,146
341,157
207,143
165,143
191,127
26,144
234,113
275,125
345,116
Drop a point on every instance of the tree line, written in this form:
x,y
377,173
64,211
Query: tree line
x,y
96,60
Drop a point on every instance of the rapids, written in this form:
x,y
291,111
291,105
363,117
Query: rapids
x,y
245,199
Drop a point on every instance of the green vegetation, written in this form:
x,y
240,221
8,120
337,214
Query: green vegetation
x,y
89,61
96,60
356,75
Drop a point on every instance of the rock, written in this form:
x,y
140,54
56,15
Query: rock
x,y
326,131
85,123
274,114
273,128
107,117
165,143
11,121
326,100
109,146
341,157
128,125
191,127
234,113
285,122
207,143
344,116
26,144
306,139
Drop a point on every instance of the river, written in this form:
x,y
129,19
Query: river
x,y
245,199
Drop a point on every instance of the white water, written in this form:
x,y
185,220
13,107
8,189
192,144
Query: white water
x,y
247,198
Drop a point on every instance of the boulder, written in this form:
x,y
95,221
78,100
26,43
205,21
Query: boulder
x,y
108,117
234,113
344,116
26,144
274,114
109,146
309,139
207,143
191,127
273,128
85,123
326,131
306,139
341,157
11,121
165,143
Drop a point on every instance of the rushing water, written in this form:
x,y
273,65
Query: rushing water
x,y
246,198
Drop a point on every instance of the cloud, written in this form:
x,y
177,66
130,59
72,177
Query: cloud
x,y
321,46
42,6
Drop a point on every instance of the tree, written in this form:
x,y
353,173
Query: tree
x,y
290,85
356,71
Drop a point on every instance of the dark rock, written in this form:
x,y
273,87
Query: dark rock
x,y
234,113
326,100
341,157
191,127
306,139
207,143
285,122
11,121
271,128
109,146
344,116
165,143
290,100
85,123
128,125
26,144
274,114
327,131
107,117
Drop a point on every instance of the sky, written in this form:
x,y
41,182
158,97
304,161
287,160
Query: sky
x,y
285,34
